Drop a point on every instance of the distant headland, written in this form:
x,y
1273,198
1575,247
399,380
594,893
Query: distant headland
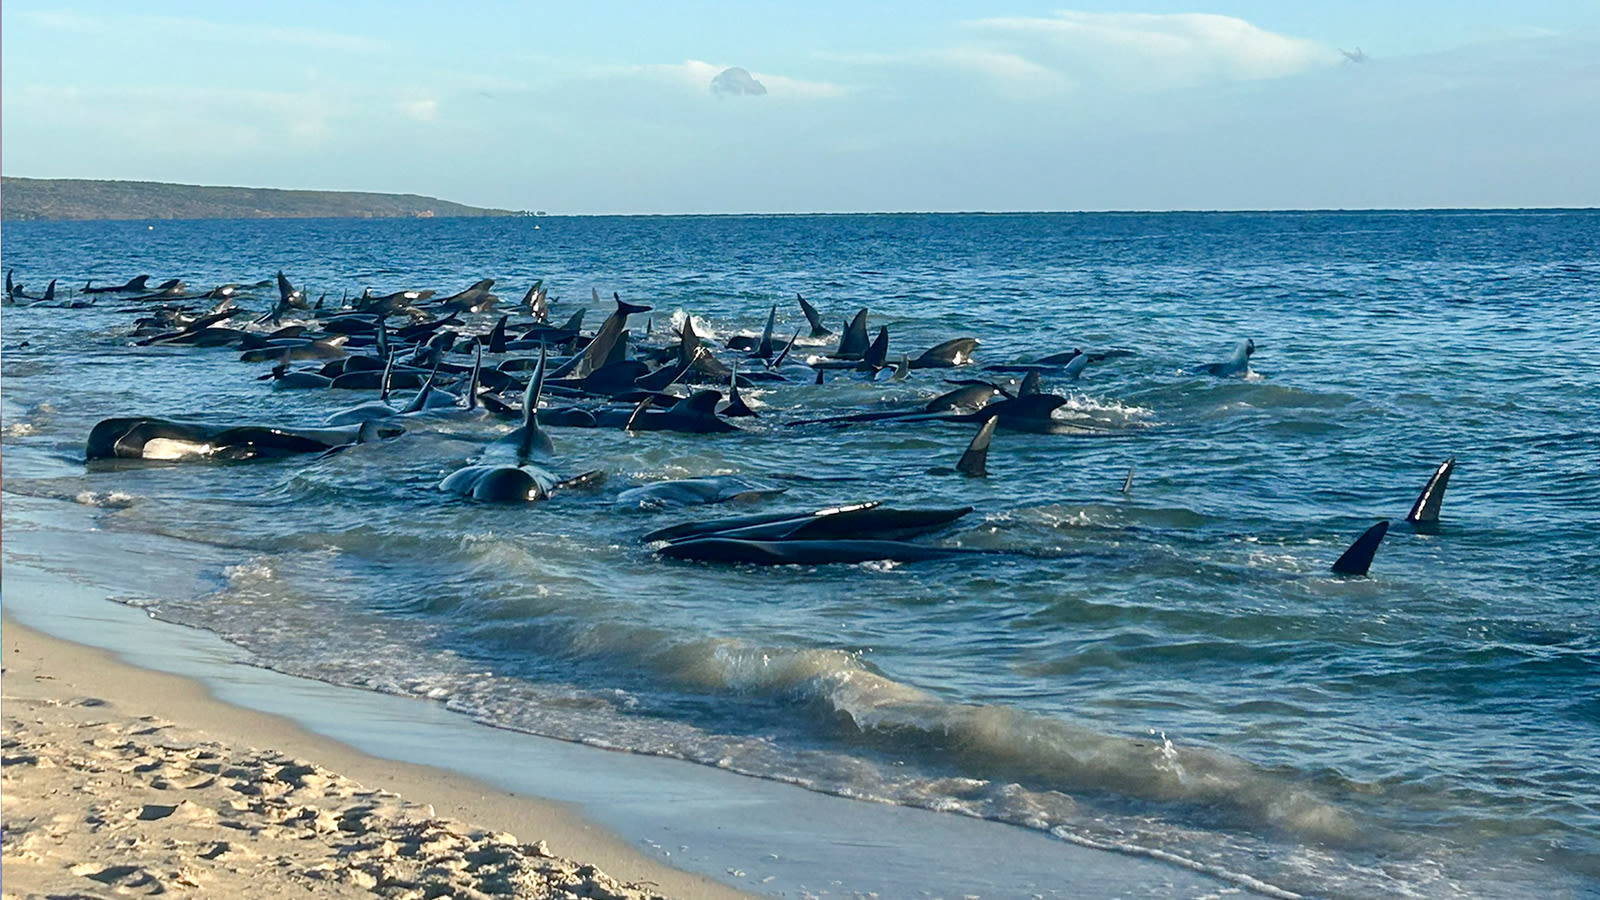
x,y
23,199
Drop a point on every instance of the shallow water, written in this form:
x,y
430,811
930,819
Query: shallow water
x,y
1168,671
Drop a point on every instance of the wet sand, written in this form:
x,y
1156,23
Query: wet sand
x,y
119,781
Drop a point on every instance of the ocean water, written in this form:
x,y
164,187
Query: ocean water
x,y
1171,672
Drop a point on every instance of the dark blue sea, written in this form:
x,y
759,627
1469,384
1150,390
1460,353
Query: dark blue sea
x,y
1170,672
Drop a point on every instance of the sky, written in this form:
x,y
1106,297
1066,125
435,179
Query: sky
x,y
822,106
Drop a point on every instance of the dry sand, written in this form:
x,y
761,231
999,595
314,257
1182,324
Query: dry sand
x,y
118,781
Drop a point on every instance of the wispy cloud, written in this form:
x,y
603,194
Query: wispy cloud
x,y
1141,51
423,110
187,30
1028,58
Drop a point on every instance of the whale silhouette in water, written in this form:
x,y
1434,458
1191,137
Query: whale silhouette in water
x,y
856,533
696,492
1238,364
148,437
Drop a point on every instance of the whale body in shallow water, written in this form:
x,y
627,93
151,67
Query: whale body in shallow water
x,y
696,491
807,553
147,437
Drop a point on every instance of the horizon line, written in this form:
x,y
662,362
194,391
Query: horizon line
x,y
533,213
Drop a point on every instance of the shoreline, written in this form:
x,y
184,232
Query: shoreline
x,y
723,832
63,698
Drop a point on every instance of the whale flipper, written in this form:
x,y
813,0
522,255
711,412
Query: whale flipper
x,y
1358,559
1426,510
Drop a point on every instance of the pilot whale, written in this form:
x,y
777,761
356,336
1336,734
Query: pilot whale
x,y
1238,364
696,492
148,437
1424,515
508,469
809,553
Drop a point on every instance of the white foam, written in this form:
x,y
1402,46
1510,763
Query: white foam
x,y
104,499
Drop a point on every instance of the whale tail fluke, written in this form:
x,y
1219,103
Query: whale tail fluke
x,y
1358,558
625,309
817,328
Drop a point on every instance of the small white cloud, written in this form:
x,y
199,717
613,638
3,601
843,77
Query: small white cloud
x,y
737,82
700,76
1005,68
421,110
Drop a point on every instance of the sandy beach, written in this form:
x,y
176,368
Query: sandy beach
x,y
120,781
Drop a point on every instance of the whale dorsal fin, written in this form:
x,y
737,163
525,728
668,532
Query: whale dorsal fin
x,y
497,337
764,349
877,355
1358,559
532,437
420,401
736,404
974,463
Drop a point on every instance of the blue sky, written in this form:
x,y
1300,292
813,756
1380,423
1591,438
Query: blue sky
x,y
610,108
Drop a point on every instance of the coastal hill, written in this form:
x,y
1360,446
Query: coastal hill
x,y
71,198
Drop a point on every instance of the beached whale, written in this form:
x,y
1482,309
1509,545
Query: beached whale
x,y
695,414
149,437
808,553
696,492
856,521
968,397
508,469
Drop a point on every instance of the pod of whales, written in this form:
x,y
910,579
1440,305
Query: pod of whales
x,y
415,339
